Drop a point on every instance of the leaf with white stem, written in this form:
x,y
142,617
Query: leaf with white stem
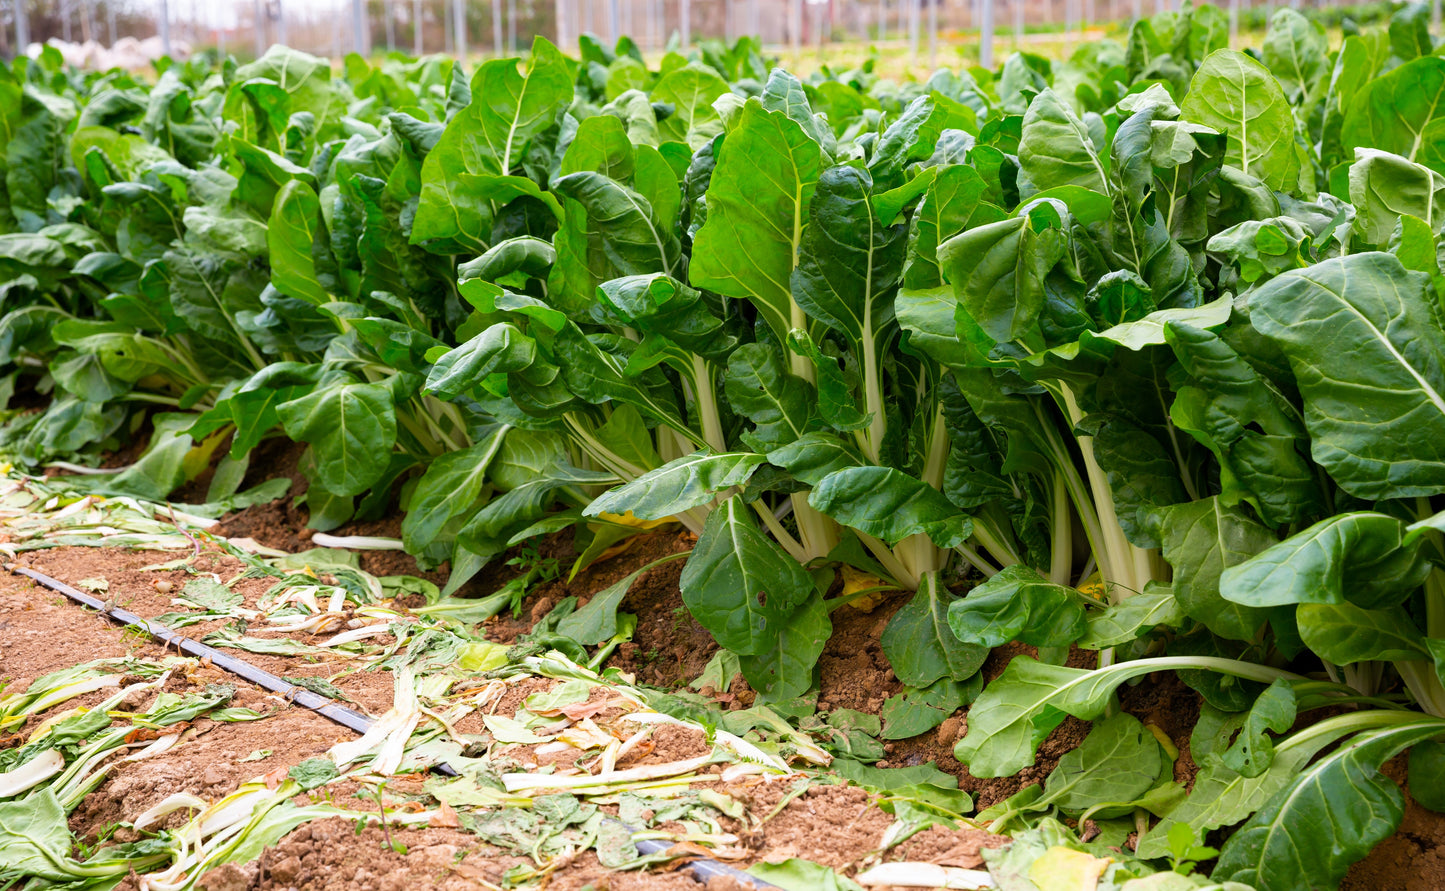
x,y
32,773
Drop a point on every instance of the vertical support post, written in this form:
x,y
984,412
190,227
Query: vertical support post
x,y
511,26
260,27
281,23
109,22
985,35
1435,14
358,27
388,9
459,23
65,21
417,43
684,23
614,20
913,24
497,28
163,25
559,11
22,27
1233,22
932,34
797,29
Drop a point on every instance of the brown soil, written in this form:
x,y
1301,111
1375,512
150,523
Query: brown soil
x,y
282,524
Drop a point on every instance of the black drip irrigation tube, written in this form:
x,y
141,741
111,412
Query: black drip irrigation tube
x,y
355,721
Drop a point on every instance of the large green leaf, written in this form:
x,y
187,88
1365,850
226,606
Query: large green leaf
x,y
677,486
1017,604
490,136
1377,421
757,208
351,427
1330,816
290,234
785,668
1237,96
1383,187
890,505
1365,558
739,584
1055,149
1201,540
1402,112
849,263
448,488
919,644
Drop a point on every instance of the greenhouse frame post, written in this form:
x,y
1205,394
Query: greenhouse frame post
x,y
358,27
797,28
1234,21
109,21
459,28
985,35
684,23
559,10
511,26
388,9
416,23
22,27
497,28
614,21
280,23
932,34
913,25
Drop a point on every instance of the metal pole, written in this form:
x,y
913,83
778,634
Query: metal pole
x,y
932,34
497,27
163,22
985,35
755,18
684,23
1018,10
559,11
512,26
281,22
459,22
109,21
358,26
614,21
22,27
259,29
416,22
65,21
913,24
1234,21
388,9
797,29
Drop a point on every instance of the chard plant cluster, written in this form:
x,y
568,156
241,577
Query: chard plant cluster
x,y
1148,342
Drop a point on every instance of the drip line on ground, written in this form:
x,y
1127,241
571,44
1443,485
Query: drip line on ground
x,y
353,720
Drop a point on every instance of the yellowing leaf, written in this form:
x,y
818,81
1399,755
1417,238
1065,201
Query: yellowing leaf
x,y
1064,869
855,580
